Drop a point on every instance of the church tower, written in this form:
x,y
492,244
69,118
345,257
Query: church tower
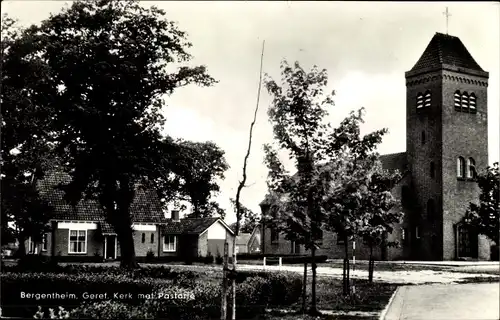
x,y
446,143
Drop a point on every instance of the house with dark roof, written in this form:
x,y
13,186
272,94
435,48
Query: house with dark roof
x,y
446,144
82,231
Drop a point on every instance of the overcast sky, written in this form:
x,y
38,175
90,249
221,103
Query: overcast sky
x,y
366,48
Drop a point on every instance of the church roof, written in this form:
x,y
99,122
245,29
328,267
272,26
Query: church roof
x,y
446,50
395,161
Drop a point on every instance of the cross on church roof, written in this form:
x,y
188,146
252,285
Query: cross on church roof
x,y
447,14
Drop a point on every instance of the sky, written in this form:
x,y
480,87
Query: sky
x,y
366,48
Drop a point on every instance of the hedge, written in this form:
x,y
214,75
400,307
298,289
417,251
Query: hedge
x,y
287,258
254,292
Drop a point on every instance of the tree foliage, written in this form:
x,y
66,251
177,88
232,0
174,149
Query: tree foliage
x,y
484,216
26,150
198,167
107,67
249,219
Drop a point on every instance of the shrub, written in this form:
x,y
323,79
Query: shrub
x,y
110,310
150,256
209,258
61,314
219,259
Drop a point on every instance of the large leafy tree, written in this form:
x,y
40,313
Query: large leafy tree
x,y
26,151
198,167
484,215
347,179
110,65
297,113
380,211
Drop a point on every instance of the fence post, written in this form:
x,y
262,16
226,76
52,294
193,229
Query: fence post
x,y
280,261
264,262
353,265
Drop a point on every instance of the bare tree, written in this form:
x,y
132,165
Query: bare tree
x,y
237,204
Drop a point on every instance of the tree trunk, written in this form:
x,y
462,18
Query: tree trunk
x,y
304,286
314,309
346,267
233,313
223,308
21,251
370,265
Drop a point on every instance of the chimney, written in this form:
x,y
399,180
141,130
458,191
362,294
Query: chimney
x,y
175,215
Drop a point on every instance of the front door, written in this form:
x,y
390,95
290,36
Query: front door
x,y
466,242
110,250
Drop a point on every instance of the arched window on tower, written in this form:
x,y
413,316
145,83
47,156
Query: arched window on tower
x,y
471,168
433,170
472,103
427,99
143,238
423,137
460,167
465,101
420,100
458,101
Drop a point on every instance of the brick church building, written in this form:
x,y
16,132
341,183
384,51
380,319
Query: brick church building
x,y
446,143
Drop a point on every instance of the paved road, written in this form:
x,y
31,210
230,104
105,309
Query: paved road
x,y
474,301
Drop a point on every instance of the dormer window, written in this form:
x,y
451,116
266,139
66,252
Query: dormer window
x,y
458,101
465,101
472,103
427,99
420,100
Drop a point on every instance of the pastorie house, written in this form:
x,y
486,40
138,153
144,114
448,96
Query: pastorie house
x,y
81,232
446,143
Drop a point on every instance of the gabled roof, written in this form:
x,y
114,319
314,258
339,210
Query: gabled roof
x,y
444,49
191,225
146,206
243,238
395,161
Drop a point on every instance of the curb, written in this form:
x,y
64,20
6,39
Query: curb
x,y
384,312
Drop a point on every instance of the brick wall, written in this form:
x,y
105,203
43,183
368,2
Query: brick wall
x,y
420,155
465,135
141,249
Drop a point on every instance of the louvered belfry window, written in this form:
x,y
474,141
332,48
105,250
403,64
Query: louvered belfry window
x,y
465,101
458,103
427,99
420,100
472,103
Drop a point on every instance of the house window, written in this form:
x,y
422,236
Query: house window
x,y
169,244
420,100
152,238
77,241
31,245
471,168
423,137
465,101
472,103
143,238
460,167
433,170
427,99
458,101
44,242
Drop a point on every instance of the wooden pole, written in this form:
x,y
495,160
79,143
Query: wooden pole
x,y
223,311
